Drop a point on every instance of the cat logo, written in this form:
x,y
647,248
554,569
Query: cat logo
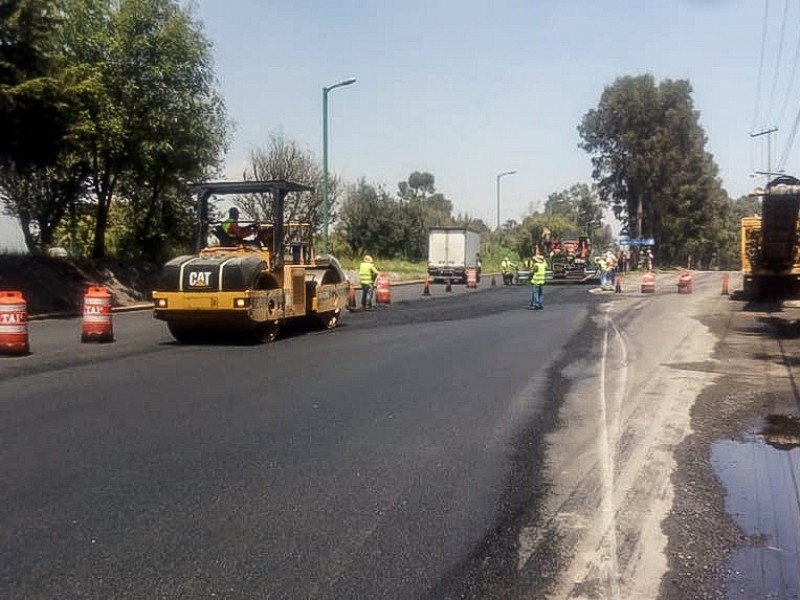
x,y
200,278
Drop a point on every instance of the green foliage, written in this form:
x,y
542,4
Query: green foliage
x,y
33,117
372,221
132,86
650,164
579,204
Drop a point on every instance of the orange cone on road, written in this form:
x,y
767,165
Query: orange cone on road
x,y
426,288
97,321
13,323
351,299
725,282
618,284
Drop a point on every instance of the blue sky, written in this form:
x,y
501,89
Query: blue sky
x,y
467,89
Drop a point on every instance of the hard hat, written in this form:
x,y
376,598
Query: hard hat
x,y
234,212
367,258
538,258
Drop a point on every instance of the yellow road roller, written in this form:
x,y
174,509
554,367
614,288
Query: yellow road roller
x,y
249,287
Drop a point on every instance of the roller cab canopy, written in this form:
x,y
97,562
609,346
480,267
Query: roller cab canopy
x,y
279,189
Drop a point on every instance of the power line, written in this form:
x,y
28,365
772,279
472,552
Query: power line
x,y
792,73
761,64
778,60
789,142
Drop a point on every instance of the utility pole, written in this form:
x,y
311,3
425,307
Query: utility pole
x,y
767,132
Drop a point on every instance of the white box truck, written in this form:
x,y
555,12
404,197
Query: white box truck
x,y
451,251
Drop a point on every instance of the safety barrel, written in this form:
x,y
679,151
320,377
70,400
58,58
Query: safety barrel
x,y
685,283
649,283
13,323
383,289
97,321
472,278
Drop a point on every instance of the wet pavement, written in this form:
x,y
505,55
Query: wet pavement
x,y
760,475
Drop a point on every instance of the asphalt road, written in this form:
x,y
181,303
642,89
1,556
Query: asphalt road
x,y
394,457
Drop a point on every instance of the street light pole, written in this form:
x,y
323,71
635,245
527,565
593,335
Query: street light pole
x,y
500,175
325,209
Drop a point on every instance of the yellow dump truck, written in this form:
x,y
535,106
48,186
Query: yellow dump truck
x,y
770,252
249,288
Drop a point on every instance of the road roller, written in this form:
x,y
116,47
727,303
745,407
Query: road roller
x,y
249,288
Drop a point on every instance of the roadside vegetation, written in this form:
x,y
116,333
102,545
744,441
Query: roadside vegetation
x,y
109,108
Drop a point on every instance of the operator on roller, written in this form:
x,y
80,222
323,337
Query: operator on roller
x,y
233,230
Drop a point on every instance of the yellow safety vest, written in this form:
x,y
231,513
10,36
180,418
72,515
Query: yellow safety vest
x,y
539,273
365,271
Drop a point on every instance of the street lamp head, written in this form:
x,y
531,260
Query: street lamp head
x,y
504,173
343,83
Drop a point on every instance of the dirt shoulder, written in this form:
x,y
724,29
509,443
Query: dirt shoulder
x,y
55,285
710,555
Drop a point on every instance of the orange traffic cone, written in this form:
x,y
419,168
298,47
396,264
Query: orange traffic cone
x,y
618,284
426,288
13,324
351,299
97,321
725,281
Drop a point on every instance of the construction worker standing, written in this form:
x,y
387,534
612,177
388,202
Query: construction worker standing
x,y
367,273
537,282
507,269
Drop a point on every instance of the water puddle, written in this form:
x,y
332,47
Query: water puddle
x,y
762,479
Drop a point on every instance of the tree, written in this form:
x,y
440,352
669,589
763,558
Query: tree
x,y
368,222
32,115
418,186
421,207
176,128
580,204
650,164
282,158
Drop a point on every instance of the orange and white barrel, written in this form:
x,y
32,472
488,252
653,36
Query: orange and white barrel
x,y
685,283
472,278
13,323
383,289
97,321
649,283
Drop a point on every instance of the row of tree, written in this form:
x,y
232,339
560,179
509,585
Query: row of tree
x,y
109,107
